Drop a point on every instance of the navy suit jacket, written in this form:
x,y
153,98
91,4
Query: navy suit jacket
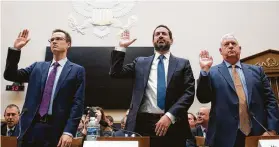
x,y
179,93
197,131
218,88
68,100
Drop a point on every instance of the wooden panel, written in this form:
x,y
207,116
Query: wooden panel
x,y
269,62
274,82
7,141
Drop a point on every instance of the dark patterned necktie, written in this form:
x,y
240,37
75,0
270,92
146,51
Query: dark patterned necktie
x,y
161,83
48,90
10,132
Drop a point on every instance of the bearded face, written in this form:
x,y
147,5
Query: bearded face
x,y
161,39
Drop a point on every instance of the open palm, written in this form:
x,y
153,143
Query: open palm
x,y
125,39
22,39
206,61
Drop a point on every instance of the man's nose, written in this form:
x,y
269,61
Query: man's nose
x,y
230,45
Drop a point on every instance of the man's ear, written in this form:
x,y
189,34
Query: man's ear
x,y
220,50
171,41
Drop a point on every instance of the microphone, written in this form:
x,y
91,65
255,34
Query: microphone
x,y
253,116
24,110
19,122
105,124
127,131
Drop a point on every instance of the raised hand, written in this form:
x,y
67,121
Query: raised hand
x,y
206,60
22,39
125,39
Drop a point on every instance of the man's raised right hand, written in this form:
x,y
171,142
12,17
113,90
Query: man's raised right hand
x,y
206,60
22,39
125,39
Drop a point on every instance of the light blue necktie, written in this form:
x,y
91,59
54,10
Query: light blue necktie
x,y
161,83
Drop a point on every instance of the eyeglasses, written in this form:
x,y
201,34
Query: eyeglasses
x,y
200,113
56,38
10,114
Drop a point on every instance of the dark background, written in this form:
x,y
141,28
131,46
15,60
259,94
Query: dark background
x,y
102,90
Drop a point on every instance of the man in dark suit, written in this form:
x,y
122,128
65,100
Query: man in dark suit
x,y
202,121
55,94
163,90
11,115
238,92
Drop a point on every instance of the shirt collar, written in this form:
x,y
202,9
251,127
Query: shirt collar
x,y
61,62
203,128
8,129
167,55
229,64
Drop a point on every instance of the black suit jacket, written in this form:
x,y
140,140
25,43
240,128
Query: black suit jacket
x,y
197,131
179,93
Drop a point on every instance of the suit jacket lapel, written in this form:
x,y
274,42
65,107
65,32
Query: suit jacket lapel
x,y
247,74
171,69
225,73
65,71
147,62
199,131
45,69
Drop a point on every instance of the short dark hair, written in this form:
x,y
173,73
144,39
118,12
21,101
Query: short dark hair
x,y
67,35
11,106
164,26
110,118
195,119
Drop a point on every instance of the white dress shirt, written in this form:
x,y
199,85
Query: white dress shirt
x,y
203,132
149,104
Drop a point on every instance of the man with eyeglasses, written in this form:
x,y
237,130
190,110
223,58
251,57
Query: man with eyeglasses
x,y
55,94
202,121
11,116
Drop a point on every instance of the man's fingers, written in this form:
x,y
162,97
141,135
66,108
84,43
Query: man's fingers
x,y
157,127
24,33
19,35
132,41
63,143
67,143
165,132
59,143
27,33
27,41
211,58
